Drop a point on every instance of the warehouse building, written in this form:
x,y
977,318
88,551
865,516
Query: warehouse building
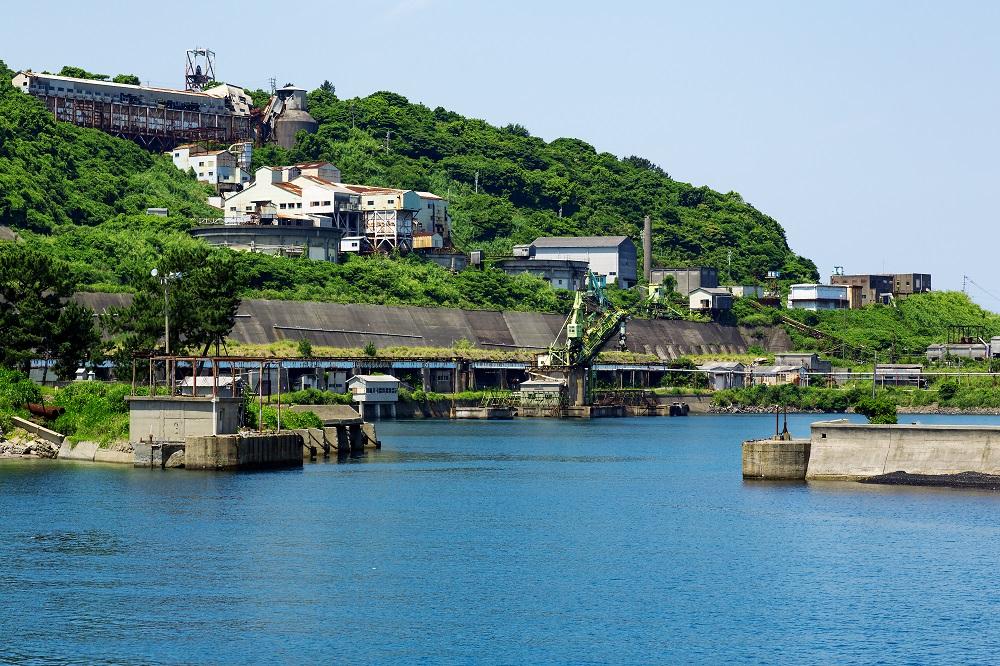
x,y
613,257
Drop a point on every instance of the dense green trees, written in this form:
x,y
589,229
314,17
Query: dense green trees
x,y
527,187
203,303
80,196
36,319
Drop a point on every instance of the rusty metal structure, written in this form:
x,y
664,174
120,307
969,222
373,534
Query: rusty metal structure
x,y
199,69
153,127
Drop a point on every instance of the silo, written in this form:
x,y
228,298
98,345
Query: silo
x,y
293,117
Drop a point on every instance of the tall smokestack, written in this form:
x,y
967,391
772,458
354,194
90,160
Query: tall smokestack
x,y
647,247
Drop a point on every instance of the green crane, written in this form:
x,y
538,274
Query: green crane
x,y
588,327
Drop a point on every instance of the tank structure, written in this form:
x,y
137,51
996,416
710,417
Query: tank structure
x,y
286,115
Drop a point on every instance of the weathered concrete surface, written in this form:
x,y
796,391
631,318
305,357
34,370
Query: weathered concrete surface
x,y
775,459
314,444
369,436
78,451
501,413
116,457
353,325
38,431
118,454
842,450
237,452
175,418
330,415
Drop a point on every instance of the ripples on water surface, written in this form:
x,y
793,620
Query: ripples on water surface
x,y
631,540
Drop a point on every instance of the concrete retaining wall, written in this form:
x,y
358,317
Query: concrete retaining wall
x,y
38,431
842,450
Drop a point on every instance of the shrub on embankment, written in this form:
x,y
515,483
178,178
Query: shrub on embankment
x,y
795,397
16,390
95,411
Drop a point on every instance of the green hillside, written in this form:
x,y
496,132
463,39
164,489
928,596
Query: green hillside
x,y
80,196
525,183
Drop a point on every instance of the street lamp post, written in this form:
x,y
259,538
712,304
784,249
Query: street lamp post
x,y
874,367
166,279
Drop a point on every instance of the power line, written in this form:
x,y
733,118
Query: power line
x,y
980,287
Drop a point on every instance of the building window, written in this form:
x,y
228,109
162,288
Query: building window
x,y
177,154
232,208
281,206
211,173
430,205
313,203
326,203
371,202
391,201
298,205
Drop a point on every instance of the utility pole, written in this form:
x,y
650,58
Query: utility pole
x,y
273,82
387,133
965,279
477,181
166,281
874,366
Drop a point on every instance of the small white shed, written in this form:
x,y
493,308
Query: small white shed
x,y
374,390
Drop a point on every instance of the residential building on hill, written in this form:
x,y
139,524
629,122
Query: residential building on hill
x,y
613,257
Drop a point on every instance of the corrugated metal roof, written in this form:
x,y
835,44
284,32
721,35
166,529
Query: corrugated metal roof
x,y
130,86
580,241
313,165
288,187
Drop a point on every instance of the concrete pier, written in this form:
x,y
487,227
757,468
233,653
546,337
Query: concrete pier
x,y
852,451
845,451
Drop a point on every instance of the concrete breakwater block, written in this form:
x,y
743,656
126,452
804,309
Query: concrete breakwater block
x,y
118,454
776,459
223,452
79,451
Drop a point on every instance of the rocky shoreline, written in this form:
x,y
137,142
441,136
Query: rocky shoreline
x,y
20,444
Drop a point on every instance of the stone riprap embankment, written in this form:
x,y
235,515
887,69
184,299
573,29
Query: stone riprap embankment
x,y
21,444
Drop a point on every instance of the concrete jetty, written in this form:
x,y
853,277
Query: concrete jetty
x,y
845,451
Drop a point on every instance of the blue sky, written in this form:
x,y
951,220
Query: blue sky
x,y
868,129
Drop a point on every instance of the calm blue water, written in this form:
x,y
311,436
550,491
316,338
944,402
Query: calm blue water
x,y
631,540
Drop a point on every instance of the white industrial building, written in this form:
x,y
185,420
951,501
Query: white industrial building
x,y
818,297
613,257
301,189
386,217
218,168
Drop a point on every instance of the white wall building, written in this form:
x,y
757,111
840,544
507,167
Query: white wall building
x,y
299,189
818,297
614,257
218,168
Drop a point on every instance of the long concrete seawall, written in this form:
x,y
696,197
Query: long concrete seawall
x,y
354,325
850,451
